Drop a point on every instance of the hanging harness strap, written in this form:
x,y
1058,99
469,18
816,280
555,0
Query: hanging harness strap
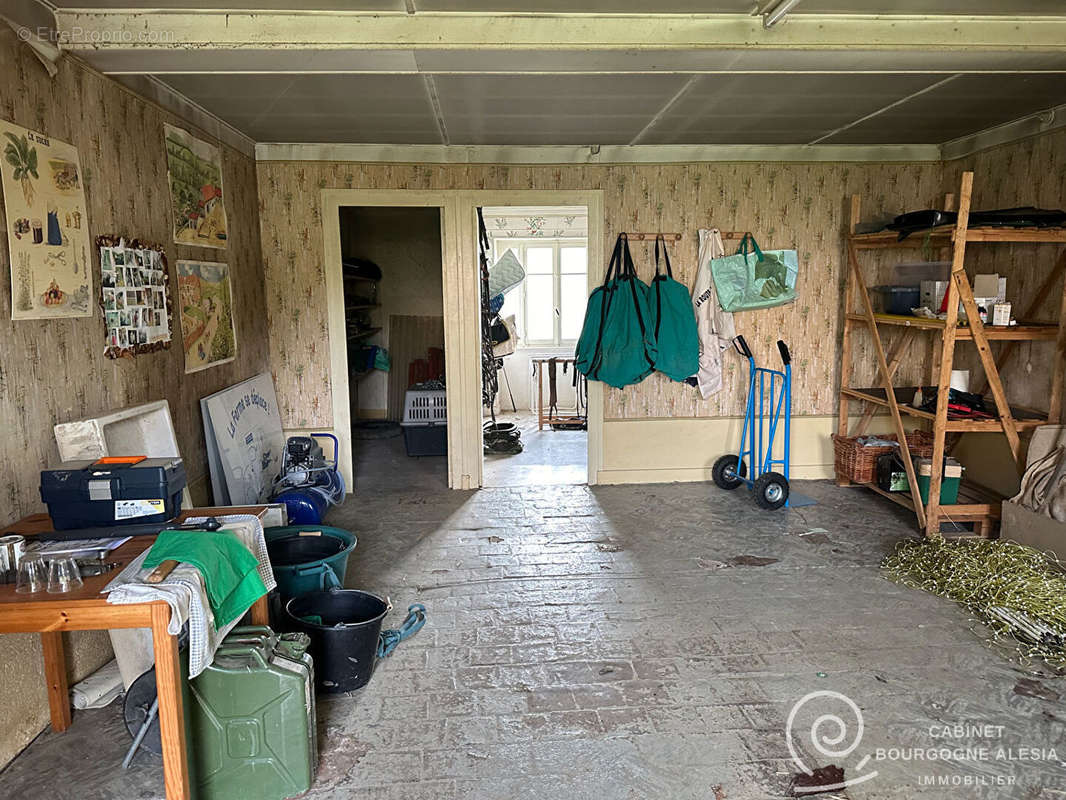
x,y
631,279
658,280
412,624
615,266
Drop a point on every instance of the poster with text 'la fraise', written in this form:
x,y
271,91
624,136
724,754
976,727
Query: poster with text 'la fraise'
x,y
47,226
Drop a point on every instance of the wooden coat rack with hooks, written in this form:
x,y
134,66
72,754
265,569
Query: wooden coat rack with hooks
x,y
640,237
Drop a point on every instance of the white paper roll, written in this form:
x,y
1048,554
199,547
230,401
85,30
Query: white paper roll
x,y
960,380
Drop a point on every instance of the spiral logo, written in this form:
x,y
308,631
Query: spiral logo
x,y
834,734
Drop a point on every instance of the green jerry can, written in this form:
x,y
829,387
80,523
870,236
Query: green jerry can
x,y
252,718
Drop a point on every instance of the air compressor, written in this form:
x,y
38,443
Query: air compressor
x,y
308,483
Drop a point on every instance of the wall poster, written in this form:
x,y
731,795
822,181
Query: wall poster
x,y
206,302
47,226
195,171
135,296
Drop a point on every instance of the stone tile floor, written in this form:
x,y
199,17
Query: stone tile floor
x,y
640,642
548,457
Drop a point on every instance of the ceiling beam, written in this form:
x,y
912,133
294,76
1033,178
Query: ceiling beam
x,y
586,154
82,30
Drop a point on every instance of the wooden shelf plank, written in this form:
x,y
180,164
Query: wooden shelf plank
x,y
355,337
945,235
1024,418
1018,235
1029,331
959,512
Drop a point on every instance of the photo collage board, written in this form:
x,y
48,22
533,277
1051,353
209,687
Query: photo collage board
x,y
136,299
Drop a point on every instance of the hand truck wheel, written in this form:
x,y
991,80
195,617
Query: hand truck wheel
x,y
770,490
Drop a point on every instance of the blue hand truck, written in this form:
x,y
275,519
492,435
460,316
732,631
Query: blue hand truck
x,y
762,420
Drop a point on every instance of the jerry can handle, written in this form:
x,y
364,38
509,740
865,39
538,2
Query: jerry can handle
x,y
254,652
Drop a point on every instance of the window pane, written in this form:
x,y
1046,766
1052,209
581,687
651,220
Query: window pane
x,y
573,260
540,308
538,260
574,297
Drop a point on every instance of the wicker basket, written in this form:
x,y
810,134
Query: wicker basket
x,y
859,464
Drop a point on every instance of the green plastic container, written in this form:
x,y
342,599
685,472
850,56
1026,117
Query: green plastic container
x,y
252,719
949,482
308,558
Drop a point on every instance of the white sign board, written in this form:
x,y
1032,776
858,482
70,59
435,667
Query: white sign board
x,y
242,428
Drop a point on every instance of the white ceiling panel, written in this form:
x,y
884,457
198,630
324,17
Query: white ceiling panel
x,y
947,7
317,108
795,108
600,109
967,104
727,60
773,109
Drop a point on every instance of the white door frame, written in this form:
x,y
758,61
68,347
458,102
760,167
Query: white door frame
x,y
469,326
333,200
462,312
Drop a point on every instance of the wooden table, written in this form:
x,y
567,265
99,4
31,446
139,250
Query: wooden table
x,y
88,610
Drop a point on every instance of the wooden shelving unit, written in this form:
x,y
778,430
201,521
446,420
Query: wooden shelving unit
x,y
976,504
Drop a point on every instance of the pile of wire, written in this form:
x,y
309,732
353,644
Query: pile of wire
x,y
1018,593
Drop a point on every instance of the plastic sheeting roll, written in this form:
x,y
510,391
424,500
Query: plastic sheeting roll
x,y
100,688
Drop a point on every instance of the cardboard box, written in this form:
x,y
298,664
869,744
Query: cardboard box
x,y
1001,314
990,285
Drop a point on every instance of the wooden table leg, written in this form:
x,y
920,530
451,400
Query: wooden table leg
x,y
171,711
55,672
261,611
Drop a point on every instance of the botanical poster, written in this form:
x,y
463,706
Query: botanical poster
x,y
133,279
206,314
47,227
195,171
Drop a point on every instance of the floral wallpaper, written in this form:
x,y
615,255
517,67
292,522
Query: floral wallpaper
x,y
548,225
785,205
55,370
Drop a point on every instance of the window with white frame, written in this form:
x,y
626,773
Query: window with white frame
x,y
549,305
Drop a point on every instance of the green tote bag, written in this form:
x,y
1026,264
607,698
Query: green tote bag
x,y
617,344
753,279
673,322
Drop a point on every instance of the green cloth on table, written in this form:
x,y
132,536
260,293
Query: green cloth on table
x,y
231,572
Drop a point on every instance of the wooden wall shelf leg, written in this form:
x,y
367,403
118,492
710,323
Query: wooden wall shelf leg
x,y
947,359
1058,372
843,401
886,379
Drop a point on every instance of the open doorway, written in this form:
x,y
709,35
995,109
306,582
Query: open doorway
x,y
537,424
392,260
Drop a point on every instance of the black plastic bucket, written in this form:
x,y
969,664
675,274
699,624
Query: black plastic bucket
x,y
344,626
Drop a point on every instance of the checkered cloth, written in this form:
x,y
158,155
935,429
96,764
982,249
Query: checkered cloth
x,y
186,594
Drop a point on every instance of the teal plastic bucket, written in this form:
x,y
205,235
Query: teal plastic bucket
x,y
308,558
